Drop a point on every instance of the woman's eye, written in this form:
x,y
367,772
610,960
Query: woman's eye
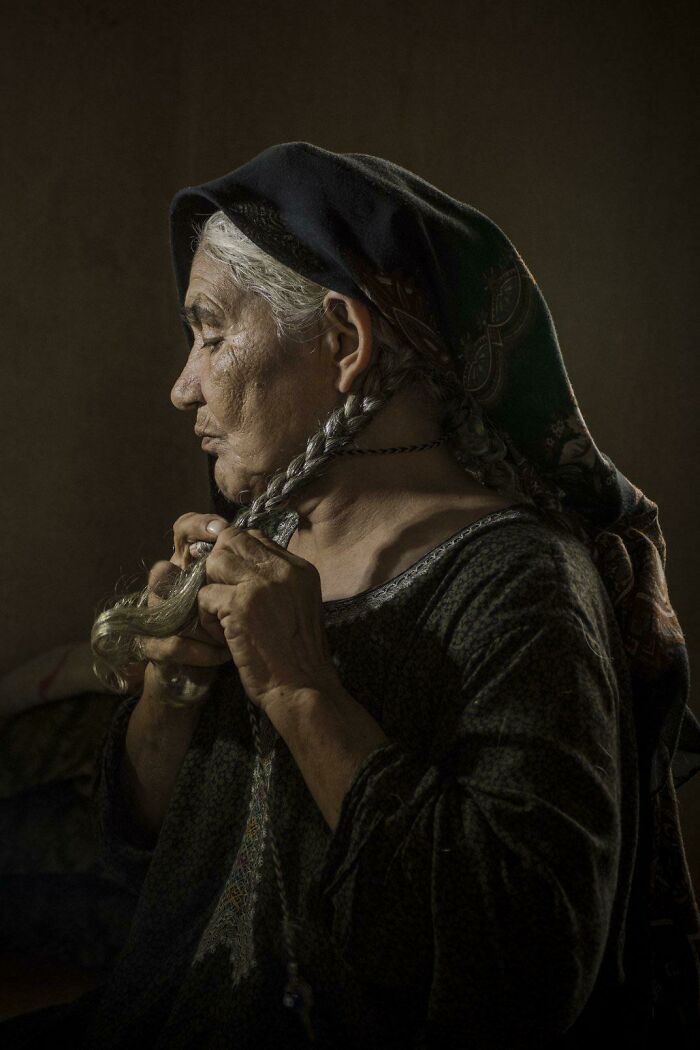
x,y
212,342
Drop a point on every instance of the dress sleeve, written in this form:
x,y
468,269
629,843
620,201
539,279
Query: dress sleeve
x,y
484,874
123,854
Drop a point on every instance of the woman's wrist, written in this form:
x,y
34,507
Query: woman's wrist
x,y
176,688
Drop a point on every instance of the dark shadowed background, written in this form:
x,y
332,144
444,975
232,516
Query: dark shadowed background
x,y
573,125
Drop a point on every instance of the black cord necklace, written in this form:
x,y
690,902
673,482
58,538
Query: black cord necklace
x,y
379,451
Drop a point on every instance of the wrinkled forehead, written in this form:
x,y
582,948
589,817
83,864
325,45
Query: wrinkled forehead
x,y
211,288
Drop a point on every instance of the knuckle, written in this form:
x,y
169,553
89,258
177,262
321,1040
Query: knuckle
x,y
174,646
183,519
185,527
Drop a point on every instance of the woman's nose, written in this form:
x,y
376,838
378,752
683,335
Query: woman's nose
x,y
186,391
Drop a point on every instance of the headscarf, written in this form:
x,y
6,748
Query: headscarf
x,y
449,279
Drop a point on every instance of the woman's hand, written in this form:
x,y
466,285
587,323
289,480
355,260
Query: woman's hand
x,y
265,605
195,648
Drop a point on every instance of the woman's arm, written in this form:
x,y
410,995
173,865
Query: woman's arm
x,y
140,761
157,739
484,875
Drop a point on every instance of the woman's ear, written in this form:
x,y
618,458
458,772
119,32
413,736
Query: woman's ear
x,y
351,332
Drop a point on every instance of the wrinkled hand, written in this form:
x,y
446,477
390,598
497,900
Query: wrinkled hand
x,y
194,647
265,604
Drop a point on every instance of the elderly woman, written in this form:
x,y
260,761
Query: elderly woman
x,y
400,782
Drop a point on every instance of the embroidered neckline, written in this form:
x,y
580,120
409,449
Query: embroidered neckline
x,y
374,596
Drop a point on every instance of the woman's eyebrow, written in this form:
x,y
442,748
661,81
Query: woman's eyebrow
x,y
198,313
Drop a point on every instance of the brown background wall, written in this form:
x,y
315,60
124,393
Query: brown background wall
x,y
571,124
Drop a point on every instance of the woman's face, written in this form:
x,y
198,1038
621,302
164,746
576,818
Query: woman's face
x,y
256,397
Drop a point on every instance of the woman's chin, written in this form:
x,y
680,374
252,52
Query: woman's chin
x,y
231,484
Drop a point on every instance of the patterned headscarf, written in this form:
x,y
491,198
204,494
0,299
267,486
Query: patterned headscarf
x,y
450,280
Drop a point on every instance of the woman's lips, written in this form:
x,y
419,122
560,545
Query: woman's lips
x,y
210,442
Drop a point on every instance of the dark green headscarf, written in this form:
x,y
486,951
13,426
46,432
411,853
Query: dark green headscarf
x,y
450,280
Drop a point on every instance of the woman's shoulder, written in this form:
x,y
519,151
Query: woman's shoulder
x,y
519,533
512,567
523,594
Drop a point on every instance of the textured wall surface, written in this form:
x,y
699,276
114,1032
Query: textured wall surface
x,y
572,125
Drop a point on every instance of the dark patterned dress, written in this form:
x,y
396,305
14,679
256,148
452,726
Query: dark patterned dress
x,y
479,883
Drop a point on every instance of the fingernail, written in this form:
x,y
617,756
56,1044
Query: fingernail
x,y
216,526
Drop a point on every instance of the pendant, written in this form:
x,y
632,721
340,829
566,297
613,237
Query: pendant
x,y
298,996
